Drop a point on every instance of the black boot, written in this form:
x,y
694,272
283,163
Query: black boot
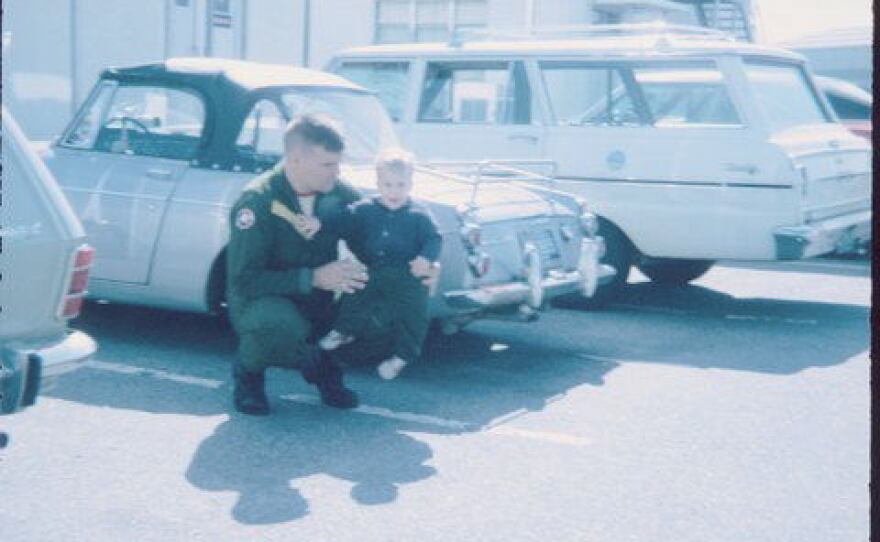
x,y
327,376
249,394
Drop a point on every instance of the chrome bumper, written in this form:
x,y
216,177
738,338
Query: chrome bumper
x,y
830,235
537,287
28,368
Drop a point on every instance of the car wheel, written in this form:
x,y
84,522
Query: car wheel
x,y
673,272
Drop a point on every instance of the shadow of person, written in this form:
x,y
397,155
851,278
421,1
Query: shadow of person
x,y
261,459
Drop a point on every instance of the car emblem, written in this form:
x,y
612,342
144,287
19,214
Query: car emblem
x,y
615,160
245,219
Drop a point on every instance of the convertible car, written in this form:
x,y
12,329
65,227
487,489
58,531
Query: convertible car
x,y
158,153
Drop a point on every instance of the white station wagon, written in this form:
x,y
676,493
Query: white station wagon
x,y
689,146
159,153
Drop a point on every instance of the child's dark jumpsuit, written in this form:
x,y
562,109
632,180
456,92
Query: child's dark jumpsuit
x,y
386,241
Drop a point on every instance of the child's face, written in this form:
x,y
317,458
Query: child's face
x,y
394,187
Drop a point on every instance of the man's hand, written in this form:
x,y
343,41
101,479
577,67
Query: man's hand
x,y
428,272
343,276
420,267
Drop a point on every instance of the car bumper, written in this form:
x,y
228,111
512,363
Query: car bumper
x,y
28,369
838,234
537,287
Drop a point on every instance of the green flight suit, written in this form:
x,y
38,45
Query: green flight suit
x,y
272,305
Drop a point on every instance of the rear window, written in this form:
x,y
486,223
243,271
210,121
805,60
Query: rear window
x,y
784,94
693,93
848,109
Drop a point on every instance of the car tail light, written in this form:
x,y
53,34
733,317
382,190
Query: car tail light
x,y
71,303
480,262
472,234
589,222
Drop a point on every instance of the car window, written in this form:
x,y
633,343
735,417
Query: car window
x,y
387,79
848,109
785,96
486,93
686,94
143,121
585,95
262,134
363,121
85,129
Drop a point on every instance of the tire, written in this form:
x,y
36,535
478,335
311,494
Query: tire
x,y
619,254
673,272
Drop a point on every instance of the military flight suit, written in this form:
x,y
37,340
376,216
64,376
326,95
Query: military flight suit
x,y
270,260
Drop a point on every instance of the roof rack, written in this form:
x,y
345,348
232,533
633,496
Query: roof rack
x,y
478,173
658,28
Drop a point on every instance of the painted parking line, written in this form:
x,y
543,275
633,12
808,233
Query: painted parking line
x,y
682,312
799,321
494,427
158,374
383,412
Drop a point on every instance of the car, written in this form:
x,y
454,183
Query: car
x,y
690,147
44,269
158,154
850,103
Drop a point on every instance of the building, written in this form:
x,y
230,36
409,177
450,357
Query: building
x,y
58,47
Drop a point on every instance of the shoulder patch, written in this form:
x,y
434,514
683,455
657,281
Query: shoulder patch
x,y
245,219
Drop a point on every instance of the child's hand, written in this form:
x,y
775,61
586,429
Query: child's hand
x,y
420,267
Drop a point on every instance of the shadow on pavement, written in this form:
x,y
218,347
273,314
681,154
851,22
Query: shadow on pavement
x,y
700,327
261,459
840,266
174,363
166,362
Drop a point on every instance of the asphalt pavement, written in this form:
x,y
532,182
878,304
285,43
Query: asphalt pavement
x,y
734,409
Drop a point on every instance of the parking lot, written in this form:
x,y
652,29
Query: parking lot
x,y
734,409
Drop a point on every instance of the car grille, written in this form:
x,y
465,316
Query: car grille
x,y
545,242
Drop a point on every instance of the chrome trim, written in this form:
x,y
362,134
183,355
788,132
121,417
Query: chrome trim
x,y
589,275
806,240
659,182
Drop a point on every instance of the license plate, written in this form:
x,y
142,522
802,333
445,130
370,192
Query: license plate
x,y
545,243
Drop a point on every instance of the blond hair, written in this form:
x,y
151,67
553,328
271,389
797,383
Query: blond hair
x,y
395,159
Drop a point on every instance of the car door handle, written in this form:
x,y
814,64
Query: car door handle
x,y
159,174
523,137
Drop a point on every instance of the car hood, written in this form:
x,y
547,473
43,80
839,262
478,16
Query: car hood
x,y
493,200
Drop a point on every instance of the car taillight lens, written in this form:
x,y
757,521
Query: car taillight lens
x,y
472,234
589,222
71,304
480,262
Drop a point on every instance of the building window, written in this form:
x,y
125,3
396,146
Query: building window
x,y
400,21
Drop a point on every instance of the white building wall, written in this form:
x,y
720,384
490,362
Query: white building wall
x,y
111,33
338,24
37,75
60,46
274,31
555,13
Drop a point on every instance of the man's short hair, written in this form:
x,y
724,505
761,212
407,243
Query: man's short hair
x,y
395,159
315,130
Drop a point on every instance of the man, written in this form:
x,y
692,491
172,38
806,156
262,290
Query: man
x,y
283,268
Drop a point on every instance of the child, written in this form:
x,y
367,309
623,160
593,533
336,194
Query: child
x,y
398,241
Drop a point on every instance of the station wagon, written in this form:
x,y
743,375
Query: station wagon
x,y
691,147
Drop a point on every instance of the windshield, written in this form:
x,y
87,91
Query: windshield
x,y
784,94
364,122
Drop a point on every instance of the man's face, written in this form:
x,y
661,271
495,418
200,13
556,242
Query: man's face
x,y
394,187
312,168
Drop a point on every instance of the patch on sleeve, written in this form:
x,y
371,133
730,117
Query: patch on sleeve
x,y
245,219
